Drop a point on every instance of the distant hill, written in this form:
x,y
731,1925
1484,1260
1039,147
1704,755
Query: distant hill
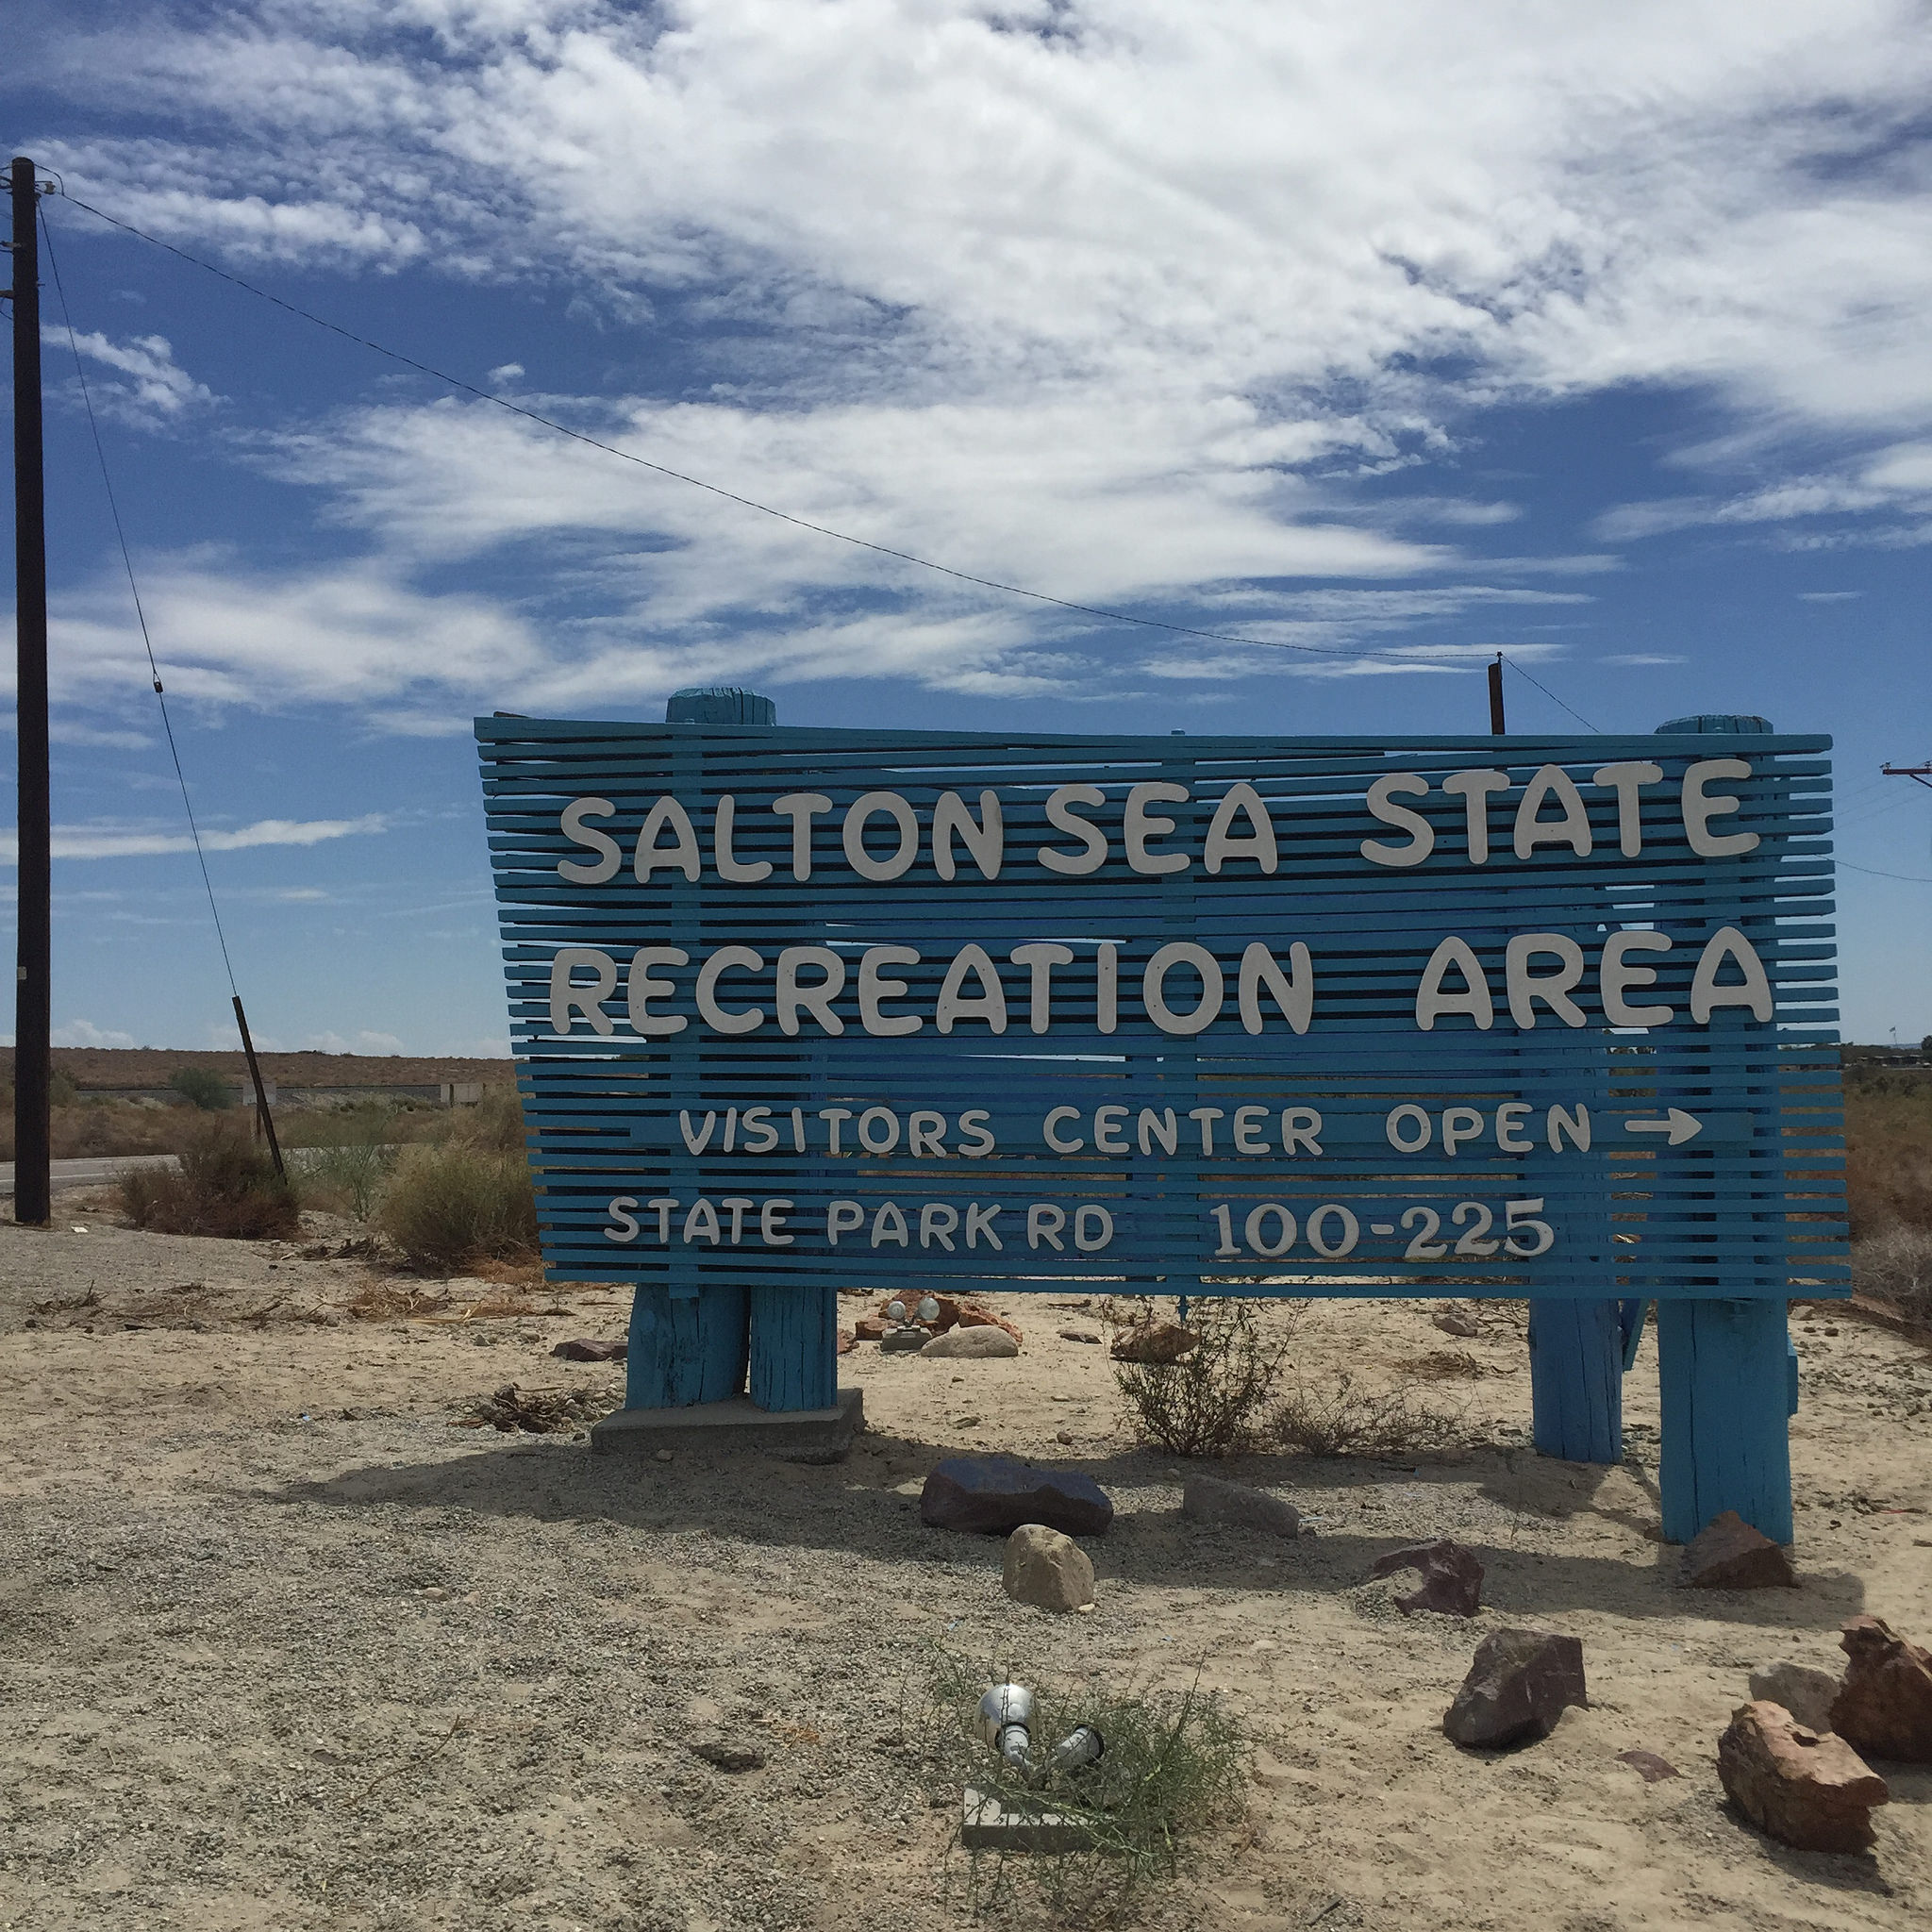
x,y
110,1070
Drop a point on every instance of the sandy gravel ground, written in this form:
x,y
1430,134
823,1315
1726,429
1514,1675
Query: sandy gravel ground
x,y
279,1647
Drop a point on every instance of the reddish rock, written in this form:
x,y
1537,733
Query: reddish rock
x,y
1649,1766
1520,1683
1452,1578
1886,1705
847,1342
971,1315
1727,1554
584,1350
1804,1787
1155,1343
871,1328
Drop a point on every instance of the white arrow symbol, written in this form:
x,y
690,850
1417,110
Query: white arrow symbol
x,y
1678,1124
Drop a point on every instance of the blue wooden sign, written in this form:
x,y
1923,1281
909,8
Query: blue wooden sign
x,y
1543,1017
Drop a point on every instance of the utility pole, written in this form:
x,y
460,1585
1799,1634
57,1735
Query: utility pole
x,y
33,997
1921,773
1496,723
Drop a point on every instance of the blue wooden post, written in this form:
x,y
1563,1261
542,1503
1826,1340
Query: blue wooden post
x,y
1726,1386
685,1348
1725,1373
688,1340
787,1337
794,1346
1577,1379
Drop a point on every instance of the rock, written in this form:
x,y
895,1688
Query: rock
x,y
1155,1342
1048,1569
1807,1789
1078,1335
847,1342
1456,1322
1520,1683
972,1344
871,1328
1452,1578
733,1756
1064,1435
1649,1766
973,1316
1803,1692
1886,1705
1206,1499
1727,1554
584,1350
994,1494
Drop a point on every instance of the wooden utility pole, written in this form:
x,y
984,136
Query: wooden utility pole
x,y
1496,723
33,999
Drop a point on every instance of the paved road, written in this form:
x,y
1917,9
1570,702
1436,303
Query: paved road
x,y
89,1171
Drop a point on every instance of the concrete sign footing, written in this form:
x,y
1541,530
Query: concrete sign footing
x,y
807,1435
986,1825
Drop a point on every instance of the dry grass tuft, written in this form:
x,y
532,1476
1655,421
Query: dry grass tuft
x,y
1888,1151
1446,1365
452,1206
533,1411
1348,1421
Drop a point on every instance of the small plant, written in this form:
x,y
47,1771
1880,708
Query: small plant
x,y
350,1157
1174,1767
450,1204
1213,1400
1895,1266
224,1185
1347,1420
203,1087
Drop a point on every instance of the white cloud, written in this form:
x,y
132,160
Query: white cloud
x,y
1637,660
108,840
1828,596
363,1042
154,389
85,1033
1118,302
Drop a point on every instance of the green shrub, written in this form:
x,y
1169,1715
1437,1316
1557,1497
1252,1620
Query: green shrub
x,y
345,1156
450,1204
1176,1766
224,1185
202,1087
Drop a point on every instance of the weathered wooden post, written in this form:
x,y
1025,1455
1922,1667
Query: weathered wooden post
x,y
688,1337
1722,1364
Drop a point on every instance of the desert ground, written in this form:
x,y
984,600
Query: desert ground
x,y
284,1648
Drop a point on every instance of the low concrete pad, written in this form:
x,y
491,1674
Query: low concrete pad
x,y
799,1435
986,1825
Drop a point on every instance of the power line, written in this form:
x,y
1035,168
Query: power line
x,y
1548,692
1911,878
140,615
550,423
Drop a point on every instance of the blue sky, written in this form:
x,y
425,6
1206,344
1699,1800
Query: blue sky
x,y
1405,333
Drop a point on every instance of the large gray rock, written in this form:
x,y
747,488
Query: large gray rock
x,y
972,1344
1208,1499
1520,1683
1452,1577
993,1494
1809,1791
1046,1568
1804,1693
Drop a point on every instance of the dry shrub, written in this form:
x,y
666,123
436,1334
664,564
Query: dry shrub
x,y
224,1185
1888,1152
394,1301
1895,1266
453,1203
1347,1420
1214,1400
1444,1365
